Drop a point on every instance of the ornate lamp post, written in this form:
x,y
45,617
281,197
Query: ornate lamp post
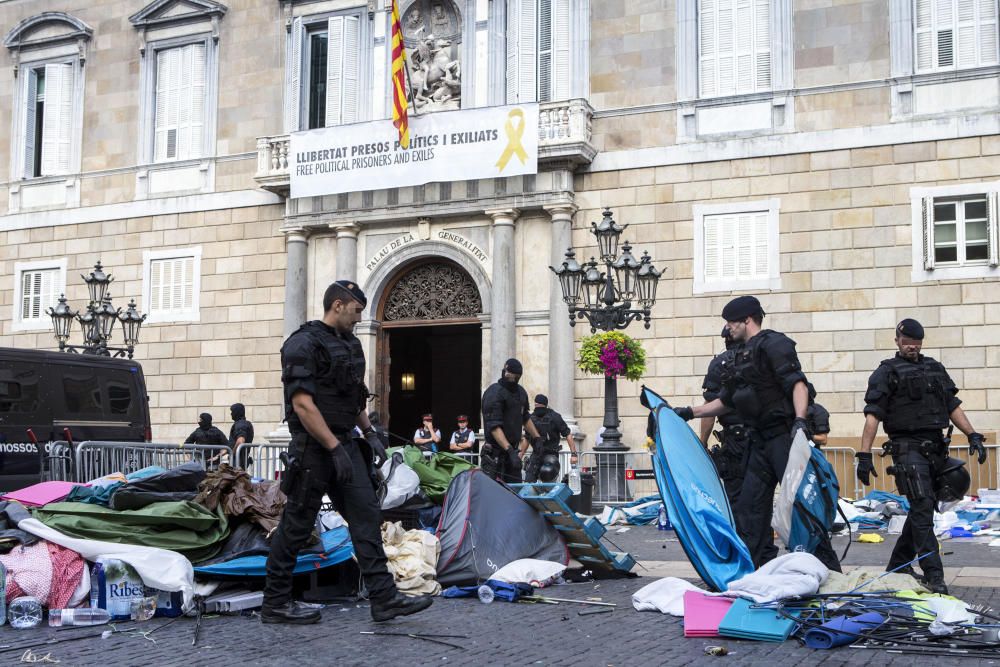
x,y
97,322
608,298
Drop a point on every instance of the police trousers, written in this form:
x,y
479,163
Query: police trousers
x,y
535,462
765,468
731,460
354,500
915,480
496,463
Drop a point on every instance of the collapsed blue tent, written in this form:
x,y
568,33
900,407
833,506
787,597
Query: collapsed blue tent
x,y
336,548
695,498
816,504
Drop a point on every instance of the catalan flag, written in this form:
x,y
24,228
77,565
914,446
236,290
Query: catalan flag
x,y
399,105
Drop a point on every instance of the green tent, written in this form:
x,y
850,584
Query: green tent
x,y
185,527
436,472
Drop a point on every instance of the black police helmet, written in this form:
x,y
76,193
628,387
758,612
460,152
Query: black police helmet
x,y
549,468
952,482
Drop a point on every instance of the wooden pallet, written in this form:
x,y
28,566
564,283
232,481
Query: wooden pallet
x,y
582,535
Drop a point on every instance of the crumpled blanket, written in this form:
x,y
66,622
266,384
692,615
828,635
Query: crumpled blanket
x,y
797,573
45,571
99,491
845,583
413,557
10,535
231,488
663,595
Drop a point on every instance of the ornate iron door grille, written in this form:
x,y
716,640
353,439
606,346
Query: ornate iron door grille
x,y
434,291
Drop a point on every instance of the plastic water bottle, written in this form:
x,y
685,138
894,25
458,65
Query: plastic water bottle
x,y
25,612
662,522
486,594
3,594
61,618
574,480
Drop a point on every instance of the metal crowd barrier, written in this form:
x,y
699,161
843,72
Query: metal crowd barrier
x,y
637,469
265,459
57,464
94,458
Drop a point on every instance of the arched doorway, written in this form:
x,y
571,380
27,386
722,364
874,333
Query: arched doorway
x,y
429,348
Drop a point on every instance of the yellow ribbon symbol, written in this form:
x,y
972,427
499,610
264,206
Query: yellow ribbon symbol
x,y
514,145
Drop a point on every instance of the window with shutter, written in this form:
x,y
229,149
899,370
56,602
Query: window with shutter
x,y
539,50
179,125
955,34
172,284
343,66
38,292
37,286
48,120
736,249
734,47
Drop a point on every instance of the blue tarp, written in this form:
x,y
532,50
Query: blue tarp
x,y
885,497
815,504
337,548
695,499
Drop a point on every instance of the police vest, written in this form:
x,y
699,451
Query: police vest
x,y
546,425
726,359
424,433
918,396
340,370
755,389
462,436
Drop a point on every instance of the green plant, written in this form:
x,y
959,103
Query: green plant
x,y
612,354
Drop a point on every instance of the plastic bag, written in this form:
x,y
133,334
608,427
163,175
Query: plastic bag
x,y
798,459
402,483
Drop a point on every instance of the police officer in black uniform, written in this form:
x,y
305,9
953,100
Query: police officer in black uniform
x,y
241,433
915,399
769,391
505,414
731,454
322,369
206,434
544,460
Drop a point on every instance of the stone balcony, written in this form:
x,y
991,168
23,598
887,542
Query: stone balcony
x,y
564,139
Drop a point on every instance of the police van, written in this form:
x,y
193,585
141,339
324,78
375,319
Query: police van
x,y
60,396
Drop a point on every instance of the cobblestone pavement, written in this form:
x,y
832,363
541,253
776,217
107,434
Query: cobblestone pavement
x,y
499,633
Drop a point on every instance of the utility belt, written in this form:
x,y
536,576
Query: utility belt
x,y
909,481
925,444
733,432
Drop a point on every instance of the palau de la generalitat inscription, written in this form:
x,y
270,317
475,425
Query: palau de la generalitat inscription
x,y
443,235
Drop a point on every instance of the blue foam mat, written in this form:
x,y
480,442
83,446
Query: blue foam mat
x,y
337,548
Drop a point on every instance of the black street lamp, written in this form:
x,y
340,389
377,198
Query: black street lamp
x,y
608,298
97,321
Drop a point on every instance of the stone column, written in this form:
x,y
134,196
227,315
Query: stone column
x,y
502,310
297,247
347,251
561,358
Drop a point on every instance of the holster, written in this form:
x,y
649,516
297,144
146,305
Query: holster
x,y
908,482
293,464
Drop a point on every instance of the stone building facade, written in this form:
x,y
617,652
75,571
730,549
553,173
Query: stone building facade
x,y
840,160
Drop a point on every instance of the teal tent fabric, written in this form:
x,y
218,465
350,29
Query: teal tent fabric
x,y
185,527
101,495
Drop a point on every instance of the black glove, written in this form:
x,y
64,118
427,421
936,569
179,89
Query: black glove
x,y
513,457
378,449
866,467
687,414
976,446
342,466
800,424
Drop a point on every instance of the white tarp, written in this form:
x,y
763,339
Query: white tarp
x,y
159,568
486,142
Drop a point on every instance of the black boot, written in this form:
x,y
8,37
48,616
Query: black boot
x,y
399,605
935,584
910,571
290,612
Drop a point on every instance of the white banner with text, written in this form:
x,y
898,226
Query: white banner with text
x,y
460,145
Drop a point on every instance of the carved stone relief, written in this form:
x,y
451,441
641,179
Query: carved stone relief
x,y
435,291
432,34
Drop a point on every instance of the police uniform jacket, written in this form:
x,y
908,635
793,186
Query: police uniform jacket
x,y
551,426
759,386
712,386
207,436
330,367
912,398
506,407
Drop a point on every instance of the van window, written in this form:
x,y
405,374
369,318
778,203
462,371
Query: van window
x,y
119,397
18,393
83,394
